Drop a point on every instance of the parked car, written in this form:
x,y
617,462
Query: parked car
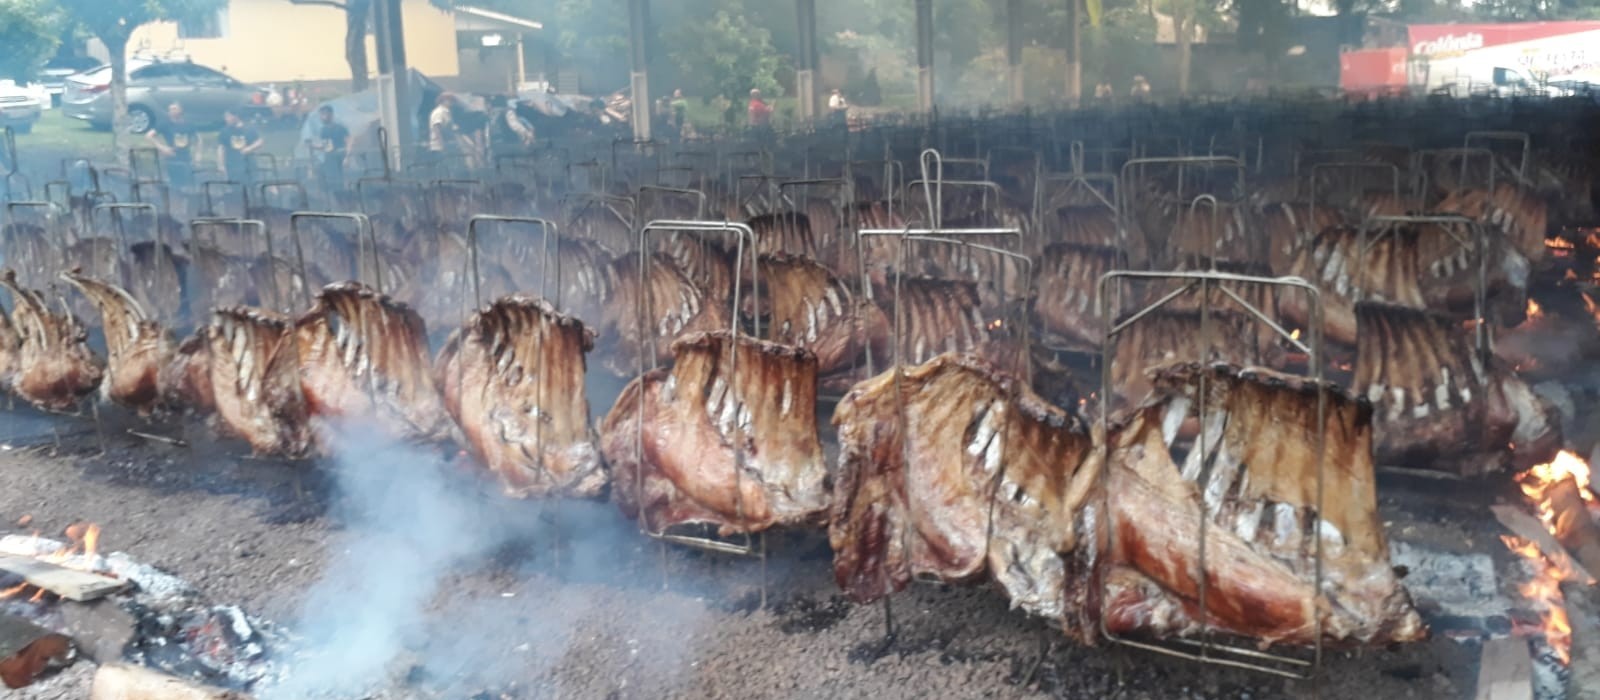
x,y
204,92
55,73
21,104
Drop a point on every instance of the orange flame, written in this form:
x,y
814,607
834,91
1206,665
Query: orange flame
x,y
1544,590
1558,244
85,541
1294,334
996,324
1536,482
1534,310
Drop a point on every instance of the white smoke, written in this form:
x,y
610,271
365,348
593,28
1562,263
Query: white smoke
x,y
408,522
413,524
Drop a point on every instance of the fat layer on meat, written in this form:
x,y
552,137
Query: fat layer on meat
x,y
136,346
975,475
513,380
727,437
54,366
1252,475
364,356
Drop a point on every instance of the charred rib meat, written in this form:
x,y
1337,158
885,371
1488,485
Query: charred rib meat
x,y
513,380
727,437
1253,477
136,346
982,476
255,381
54,366
364,355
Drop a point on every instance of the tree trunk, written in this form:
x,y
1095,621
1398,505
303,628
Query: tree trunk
x,y
1183,25
117,46
355,41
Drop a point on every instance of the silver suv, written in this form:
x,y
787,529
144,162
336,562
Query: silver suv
x,y
152,85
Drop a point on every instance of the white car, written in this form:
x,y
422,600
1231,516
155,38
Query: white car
x,y
21,105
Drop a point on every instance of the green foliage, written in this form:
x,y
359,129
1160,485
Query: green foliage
x,y
723,53
30,30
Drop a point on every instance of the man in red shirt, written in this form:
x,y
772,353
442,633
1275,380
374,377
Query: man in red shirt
x,y
759,113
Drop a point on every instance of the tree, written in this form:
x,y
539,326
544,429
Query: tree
x,y
725,53
357,16
113,22
30,30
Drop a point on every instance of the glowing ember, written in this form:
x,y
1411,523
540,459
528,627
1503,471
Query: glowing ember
x,y
1534,310
1559,245
1294,334
996,324
1544,591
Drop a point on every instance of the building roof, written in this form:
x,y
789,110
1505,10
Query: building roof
x,y
477,19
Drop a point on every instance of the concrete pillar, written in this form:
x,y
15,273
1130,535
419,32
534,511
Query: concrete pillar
x,y
1014,51
395,108
925,56
639,39
1074,62
805,73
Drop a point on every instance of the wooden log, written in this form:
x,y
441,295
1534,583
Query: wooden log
x,y
1574,527
71,584
1506,671
126,682
27,651
1523,524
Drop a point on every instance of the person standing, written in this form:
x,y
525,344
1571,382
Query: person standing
x,y
1141,88
758,113
680,110
507,132
443,137
838,109
330,148
235,143
176,140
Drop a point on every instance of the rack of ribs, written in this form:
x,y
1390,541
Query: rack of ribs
x,y
54,366
1164,336
806,306
726,438
255,381
1068,284
364,356
1255,484
982,478
675,307
513,380
136,346
1439,405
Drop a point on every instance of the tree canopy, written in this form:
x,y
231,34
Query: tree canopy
x,y
30,31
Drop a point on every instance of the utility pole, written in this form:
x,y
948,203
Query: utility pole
x,y
925,56
394,80
1074,64
1014,51
639,41
805,73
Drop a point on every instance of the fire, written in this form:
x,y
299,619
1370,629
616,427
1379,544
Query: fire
x,y
1294,334
996,324
1536,482
1559,245
79,553
1544,590
1534,310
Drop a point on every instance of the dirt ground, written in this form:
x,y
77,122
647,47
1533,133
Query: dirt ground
x,y
577,609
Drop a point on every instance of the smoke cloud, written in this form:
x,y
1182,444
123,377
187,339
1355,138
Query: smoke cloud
x,y
414,524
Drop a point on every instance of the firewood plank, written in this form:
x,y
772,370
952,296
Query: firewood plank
x,y
1525,525
67,583
125,682
1506,672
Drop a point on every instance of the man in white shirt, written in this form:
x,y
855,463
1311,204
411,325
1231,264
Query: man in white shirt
x,y
442,137
837,107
